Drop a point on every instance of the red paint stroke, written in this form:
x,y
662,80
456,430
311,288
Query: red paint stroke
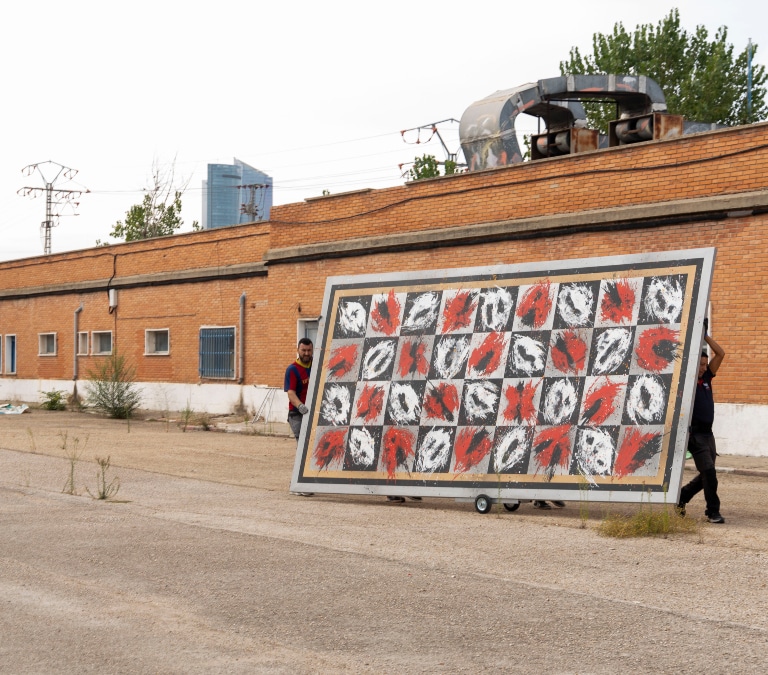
x,y
569,352
520,406
413,359
487,357
657,347
441,402
371,403
398,447
472,445
330,448
458,311
636,449
535,306
552,449
385,315
618,302
342,360
600,402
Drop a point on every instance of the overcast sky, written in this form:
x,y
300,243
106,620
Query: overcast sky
x,y
314,94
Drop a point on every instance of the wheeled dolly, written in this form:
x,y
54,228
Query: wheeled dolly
x,y
484,504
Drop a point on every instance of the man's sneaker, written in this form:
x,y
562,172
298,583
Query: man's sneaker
x,y
541,504
681,510
303,494
399,500
558,504
415,499
716,518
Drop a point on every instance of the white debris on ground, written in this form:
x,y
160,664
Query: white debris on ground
x,y
9,409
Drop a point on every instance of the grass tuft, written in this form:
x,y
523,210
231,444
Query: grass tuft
x,y
647,522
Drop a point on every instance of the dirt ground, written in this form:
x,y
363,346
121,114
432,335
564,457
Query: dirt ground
x,y
202,562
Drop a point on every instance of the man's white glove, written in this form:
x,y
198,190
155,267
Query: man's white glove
x,y
303,409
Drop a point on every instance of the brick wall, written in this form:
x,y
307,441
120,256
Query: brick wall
x,y
717,163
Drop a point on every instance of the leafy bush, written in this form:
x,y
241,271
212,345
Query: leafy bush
x,y
111,388
54,400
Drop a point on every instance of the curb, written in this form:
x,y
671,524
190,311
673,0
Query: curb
x,y
759,473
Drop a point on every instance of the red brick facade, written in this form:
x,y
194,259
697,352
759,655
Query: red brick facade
x,y
703,190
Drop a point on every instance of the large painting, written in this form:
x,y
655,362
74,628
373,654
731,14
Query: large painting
x,y
559,380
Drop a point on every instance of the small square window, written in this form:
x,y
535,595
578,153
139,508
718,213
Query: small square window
x,y
82,344
157,341
307,328
101,342
46,344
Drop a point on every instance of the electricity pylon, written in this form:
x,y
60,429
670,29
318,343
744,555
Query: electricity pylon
x,y
53,196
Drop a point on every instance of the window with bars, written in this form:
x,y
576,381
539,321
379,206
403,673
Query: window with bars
x,y
217,353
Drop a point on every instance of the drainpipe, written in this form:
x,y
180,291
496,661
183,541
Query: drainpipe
x,y
77,322
241,366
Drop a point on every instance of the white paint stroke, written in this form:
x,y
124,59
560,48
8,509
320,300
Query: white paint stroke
x,y
611,350
451,354
362,447
560,402
336,405
528,355
511,448
664,300
352,318
574,302
497,306
423,312
434,452
480,399
404,404
594,452
645,400
378,359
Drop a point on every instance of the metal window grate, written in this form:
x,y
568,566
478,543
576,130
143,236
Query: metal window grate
x,y
217,352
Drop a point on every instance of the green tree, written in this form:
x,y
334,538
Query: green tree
x,y
427,166
158,214
701,79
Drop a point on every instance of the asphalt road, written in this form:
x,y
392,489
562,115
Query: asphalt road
x,y
203,563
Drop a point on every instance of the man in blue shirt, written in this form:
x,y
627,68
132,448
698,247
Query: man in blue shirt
x,y
701,440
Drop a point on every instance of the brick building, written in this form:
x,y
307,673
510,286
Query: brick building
x,y
204,316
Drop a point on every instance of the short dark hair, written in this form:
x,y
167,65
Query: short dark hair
x,y
704,354
305,341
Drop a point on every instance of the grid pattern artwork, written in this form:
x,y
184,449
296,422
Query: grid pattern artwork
x,y
529,380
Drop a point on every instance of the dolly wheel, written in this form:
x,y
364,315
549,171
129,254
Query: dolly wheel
x,y
512,507
483,504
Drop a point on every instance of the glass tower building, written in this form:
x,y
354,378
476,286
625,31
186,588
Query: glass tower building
x,y
235,193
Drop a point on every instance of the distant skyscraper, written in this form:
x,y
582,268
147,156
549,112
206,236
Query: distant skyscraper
x,y
235,193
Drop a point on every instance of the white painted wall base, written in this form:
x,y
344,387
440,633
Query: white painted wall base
x,y
217,399
740,429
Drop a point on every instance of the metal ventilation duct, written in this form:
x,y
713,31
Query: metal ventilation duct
x,y
487,128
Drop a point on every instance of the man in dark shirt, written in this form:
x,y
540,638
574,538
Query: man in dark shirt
x,y
701,440
295,386
296,383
